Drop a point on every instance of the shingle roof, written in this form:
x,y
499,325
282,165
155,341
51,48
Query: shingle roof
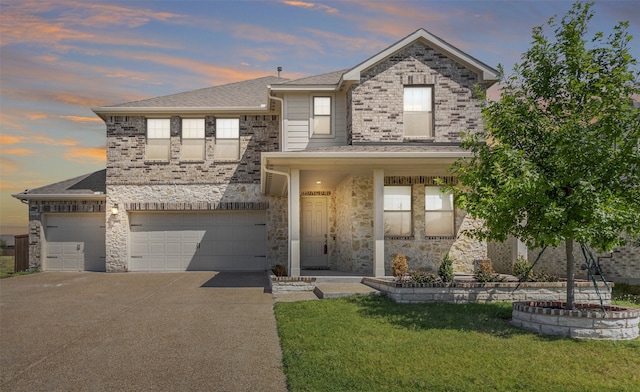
x,y
87,184
248,93
327,78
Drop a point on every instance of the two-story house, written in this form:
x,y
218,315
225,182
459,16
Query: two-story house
x,y
335,171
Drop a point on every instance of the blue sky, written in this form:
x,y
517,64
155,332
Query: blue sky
x,y
60,58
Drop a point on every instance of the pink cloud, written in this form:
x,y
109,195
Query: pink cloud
x,y
86,154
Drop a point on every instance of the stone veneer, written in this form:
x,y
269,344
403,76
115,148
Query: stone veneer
x,y
37,209
376,104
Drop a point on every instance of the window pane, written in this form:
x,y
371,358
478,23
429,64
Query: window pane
x,y
322,125
228,128
192,149
157,149
418,123
193,128
397,198
227,149
417,99
158,128
322,106
439,223
397,223
435,199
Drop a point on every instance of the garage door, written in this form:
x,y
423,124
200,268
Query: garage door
x,y
75,242
213,241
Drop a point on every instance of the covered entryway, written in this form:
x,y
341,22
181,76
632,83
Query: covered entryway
x,y
75,242
203,241
314,245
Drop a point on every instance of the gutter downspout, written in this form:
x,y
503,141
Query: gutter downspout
x,y
282,148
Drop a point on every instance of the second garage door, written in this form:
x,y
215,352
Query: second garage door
x,y
215,241
75,242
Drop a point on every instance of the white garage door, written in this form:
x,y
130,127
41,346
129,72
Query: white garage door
x,y
211,241
75,242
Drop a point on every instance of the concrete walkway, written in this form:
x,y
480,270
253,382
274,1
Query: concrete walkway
x,y
194,331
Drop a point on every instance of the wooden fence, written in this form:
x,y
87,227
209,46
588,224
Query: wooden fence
x,y
22,253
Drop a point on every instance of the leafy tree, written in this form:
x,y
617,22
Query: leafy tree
x,y
558,160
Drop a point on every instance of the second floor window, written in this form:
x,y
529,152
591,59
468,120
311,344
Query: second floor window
x,y
227,146
438,213
418,111
322,115
397,211
158,139
192,139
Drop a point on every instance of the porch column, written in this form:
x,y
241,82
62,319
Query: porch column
x,y
378,222
294,223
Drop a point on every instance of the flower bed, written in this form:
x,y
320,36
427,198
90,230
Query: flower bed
x,y
465,291
588,321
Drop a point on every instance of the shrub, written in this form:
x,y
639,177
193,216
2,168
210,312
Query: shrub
x,y
485,273
522,270
279,270
418,276
399,265
445,271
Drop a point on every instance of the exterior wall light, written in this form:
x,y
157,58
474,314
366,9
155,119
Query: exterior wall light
x,y
114,209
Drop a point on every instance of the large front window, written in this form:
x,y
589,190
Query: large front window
x,y
192,139
397,211
418,111
322,115
227,139
438,212
158,139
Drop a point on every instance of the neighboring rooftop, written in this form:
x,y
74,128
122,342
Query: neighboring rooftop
x,y
323,79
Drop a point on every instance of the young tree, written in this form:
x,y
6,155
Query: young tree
x,y
558,160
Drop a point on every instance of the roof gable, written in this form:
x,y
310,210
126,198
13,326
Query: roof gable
x,y
86,186
486,73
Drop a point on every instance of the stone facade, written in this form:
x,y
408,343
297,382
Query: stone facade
x,y
376,104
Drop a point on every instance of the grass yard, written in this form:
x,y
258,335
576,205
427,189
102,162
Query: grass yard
x,y
370,343
6,266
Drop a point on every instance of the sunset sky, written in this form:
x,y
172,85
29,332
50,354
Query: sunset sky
x,y
60,58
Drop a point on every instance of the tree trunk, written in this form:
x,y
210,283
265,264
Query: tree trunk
x,y
570,274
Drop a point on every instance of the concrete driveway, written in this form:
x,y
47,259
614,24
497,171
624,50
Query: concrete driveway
x,y
193,331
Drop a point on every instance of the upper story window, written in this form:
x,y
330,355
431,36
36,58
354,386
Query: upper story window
x,y
322,115
227,146
158,139
418,111
397,210
192,139
438,212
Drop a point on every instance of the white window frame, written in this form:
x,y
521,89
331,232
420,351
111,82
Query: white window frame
x,y
316,116
222,135
193,139
444,206
396,204
414,112
158,143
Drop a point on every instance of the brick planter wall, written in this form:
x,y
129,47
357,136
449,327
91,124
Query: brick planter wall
x,y
588,322
465,292
288,284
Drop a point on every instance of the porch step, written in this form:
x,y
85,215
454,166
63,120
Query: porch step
x,y
338,279
335,290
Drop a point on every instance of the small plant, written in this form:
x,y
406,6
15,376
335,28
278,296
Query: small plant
x,y
522,269
418,276
445,271
279,270
399,266
486,273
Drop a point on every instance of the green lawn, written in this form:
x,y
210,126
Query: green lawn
x,y
7,268
373,344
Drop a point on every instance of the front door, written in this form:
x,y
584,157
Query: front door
x,y
314,246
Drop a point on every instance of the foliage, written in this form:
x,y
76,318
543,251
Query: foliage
x,y
523,270
486,273
625,294
399,265
371,343
280,270
3,245
418,276
445,271
558,159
